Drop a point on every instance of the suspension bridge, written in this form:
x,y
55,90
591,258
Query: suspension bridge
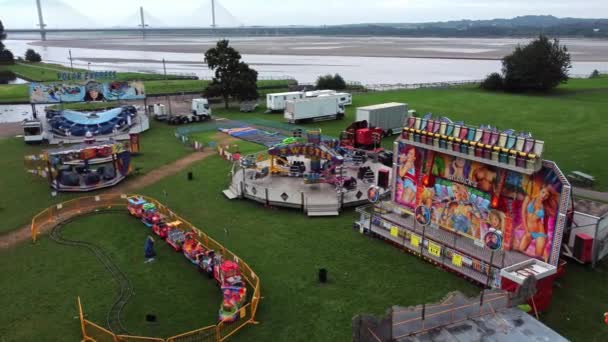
x,y
211,16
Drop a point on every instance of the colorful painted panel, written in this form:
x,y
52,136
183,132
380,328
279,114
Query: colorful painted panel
x,y
83,92
500,209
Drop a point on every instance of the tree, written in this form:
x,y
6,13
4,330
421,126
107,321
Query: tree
x,y
539,66
2,36
335,82
233,78
595,74
32,56
493,82
6,56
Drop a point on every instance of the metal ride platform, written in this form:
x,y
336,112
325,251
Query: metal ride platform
x,y
473,260
319,199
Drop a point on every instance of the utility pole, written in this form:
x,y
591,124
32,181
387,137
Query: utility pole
x,y
213,13
41,21
71,63
168,98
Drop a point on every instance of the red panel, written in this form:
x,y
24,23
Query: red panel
x,y
364,136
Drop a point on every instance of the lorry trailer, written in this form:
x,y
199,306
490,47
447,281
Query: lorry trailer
x,y
313,109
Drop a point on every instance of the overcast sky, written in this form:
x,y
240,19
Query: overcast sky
x,y
106,13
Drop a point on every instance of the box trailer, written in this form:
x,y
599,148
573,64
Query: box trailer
x,y
344,99
276,101
391,117
313,109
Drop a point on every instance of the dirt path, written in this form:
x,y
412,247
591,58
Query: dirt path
x,y
23,233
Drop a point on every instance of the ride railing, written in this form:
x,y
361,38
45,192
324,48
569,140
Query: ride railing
x,y
65,211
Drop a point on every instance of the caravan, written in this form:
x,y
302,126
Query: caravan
x,y
276,101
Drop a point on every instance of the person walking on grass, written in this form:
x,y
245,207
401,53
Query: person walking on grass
x,y
149,253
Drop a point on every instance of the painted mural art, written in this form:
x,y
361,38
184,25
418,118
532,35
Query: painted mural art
x,y
408,169
501,209
86,92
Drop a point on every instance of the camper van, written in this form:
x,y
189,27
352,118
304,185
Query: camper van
x,y
276,101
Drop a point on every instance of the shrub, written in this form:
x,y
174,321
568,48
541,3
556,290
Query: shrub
x,y
538,66
32,56
335,82
595,74
6,57
493,82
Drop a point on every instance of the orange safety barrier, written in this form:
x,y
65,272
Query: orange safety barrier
x,y
62,212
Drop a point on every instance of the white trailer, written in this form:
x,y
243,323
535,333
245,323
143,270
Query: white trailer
x,y
315,93
276,101
391,117
313,109
199,111
344,99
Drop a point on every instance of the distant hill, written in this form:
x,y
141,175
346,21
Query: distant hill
x,y
519,26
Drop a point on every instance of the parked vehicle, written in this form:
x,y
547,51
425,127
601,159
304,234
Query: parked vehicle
x,y
248,106
315,93
313,109
344,99
277,101
200,111
32,131
391,117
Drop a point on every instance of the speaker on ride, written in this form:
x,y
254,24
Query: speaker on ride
x,y
383,178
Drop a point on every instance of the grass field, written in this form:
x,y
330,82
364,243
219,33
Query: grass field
x,y
19,92
285,247
44,72
30,194
571,120
171,288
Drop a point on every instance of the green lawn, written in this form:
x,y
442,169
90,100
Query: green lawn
x,y
171,288
29,194
19,92
571,120
43,72
285,247
13,93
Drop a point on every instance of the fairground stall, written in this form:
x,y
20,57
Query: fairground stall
x,y
84,167
107,121
478,201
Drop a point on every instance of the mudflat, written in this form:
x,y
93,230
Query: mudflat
x,y
582,50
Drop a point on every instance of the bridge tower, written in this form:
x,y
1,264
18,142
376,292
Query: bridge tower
x,y
213,13
41,21
142,24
